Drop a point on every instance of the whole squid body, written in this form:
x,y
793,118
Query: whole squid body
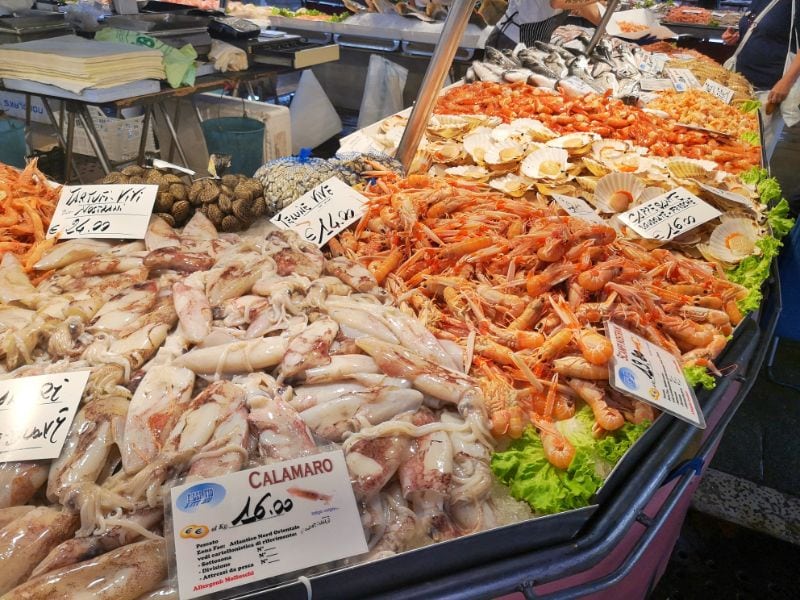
x,y
122,574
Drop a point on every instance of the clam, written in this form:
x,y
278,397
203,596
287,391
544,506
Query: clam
x,y
733,240
545,163
574,143
511,184
617,192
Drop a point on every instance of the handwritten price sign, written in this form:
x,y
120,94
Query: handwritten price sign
x,y
720,91
103,211
36,413
669,215
264,522
323,212
577,207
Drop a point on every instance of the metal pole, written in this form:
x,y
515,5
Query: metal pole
x,y
611,6
452,31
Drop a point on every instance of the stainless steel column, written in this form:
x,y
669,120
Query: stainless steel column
x,y
452,32
611,6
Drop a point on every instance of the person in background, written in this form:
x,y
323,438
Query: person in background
x,y
528,21
762,58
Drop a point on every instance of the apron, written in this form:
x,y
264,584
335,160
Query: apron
x,y
526,22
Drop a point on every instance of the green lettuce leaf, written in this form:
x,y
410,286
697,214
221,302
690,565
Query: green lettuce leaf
x,y
753,175
779,219
749,106
753,270
769,190
698,375
750,137
530,477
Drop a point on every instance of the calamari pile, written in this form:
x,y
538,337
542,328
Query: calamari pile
x,y
525,290
212,353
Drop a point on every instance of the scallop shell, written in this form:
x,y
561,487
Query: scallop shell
x,y
649,193
478,143
445,151
545,163
534,129
503,153
631,162
512,184
395,121
471,172
732,240
574,143
449,126
685,168
587,183
616,192
595,168
607,151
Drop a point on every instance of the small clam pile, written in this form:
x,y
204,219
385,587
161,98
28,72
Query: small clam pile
x,y
172,201
232,203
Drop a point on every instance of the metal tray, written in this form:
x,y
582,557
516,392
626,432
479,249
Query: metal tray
x,y
159,25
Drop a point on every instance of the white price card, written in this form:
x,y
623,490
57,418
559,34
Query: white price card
x,y
36,413
320,214
264,522
682,79
655,84
577,207
119,211
720,91
645,371
669,215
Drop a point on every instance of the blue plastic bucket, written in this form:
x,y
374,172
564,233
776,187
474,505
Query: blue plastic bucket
x,y
240,137
12,143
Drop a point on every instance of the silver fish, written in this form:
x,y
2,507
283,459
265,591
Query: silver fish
x,y
574,87
484,72
542,81
599,68
542,69
515,75
496,57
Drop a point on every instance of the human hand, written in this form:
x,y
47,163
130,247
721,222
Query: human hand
x,y
730,37
779,91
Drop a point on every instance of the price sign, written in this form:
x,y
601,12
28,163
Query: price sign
x,y
649,373
669,215
103,211
264,522
720,91
323,212
577,207
682,79
654,84
36,413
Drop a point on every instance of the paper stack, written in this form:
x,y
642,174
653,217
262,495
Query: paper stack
x,y
73,63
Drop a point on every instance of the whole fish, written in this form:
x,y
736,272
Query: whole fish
x,y
515,75
542,81
486,72
550,48
494,56
542,69
574,87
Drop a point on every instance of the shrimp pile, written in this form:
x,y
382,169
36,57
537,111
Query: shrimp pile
x,y
602,115
525,290
27,203
698,107
212,353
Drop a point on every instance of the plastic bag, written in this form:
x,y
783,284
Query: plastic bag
x,y
383,91
790,107
227,57
314,120
178,62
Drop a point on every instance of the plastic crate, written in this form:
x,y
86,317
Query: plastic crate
x,y
277,123
120,137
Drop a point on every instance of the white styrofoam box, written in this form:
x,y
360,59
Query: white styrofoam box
x,y
120,137
13,104
276,119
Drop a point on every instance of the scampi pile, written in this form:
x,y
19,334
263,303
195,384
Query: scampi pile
x,y
211,353
525,290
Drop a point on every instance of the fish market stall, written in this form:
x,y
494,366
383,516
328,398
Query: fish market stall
x,y
500,370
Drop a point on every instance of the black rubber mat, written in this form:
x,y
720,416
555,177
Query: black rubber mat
x,y
715,559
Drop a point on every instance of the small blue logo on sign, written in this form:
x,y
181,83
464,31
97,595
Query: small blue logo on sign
x,y
628,378
196,496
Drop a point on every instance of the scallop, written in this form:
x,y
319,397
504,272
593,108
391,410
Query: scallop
x,y
503,153
632,162
449,126
594,167
512,184
649,193
545,163
477,143
685,168
587,183
393,122
733,240
607,151
616,192
445,151
574,143
471,172
534,129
